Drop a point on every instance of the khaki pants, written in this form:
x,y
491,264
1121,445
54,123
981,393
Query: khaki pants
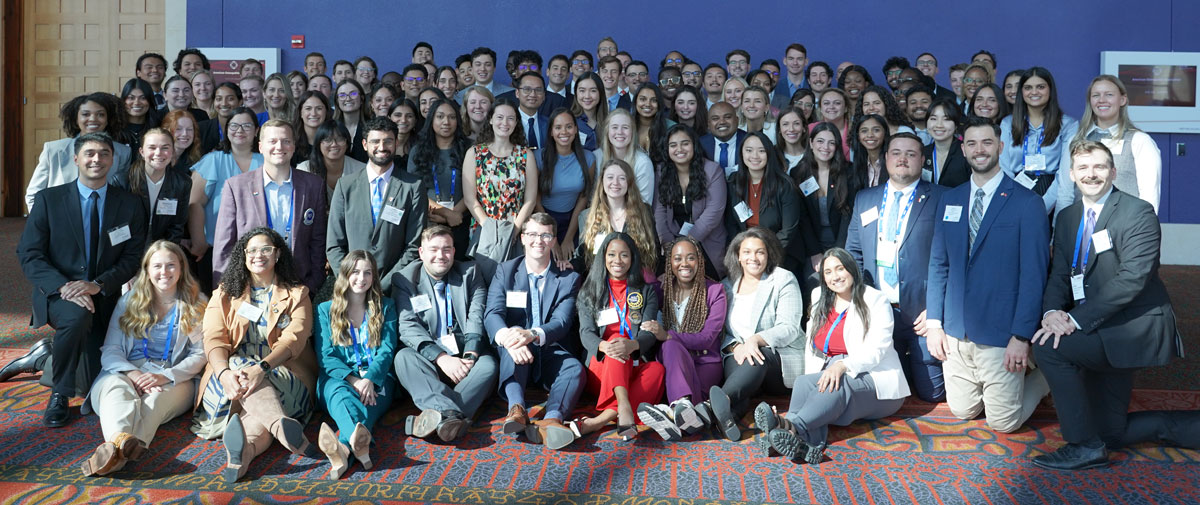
x,y
977,381
121,409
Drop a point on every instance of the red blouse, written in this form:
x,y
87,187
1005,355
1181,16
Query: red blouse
x,y
837,344
617,289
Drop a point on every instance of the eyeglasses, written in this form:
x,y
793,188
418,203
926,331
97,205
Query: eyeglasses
x,y
803,105
583,62
692,74
266,250
528,68
926,63
544,237
636,74
414,79
893,73
365,69
240,127
674,60
772,74
972,80
669,80
332,141
352,94
531,91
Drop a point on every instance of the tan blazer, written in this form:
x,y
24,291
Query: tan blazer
x,y
224,329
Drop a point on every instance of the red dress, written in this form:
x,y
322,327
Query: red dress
x,y
644,382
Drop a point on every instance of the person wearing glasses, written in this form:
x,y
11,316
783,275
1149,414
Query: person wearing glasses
x,y
670,79
737,63
348,111
329,160
976,76
531,62
581,63
290,202
692,73
414,80
531,96
365,72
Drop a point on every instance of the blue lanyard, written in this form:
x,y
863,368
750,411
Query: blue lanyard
x,y
829,334
623,327
933,170
1025,143
448,311
437,190
1078,244
174,320
354,343
901,217
287,226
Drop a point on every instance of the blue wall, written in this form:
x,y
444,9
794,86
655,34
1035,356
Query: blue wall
x,y
1064,36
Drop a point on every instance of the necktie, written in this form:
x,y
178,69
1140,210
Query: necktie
x,y
976,218
724,157
531,132
890,274
93,252
1087,236
443,306
535,298
376,198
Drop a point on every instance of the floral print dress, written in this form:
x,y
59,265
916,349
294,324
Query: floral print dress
x,y
500,182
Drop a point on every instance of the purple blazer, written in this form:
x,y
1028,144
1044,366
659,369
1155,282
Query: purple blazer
x,y
243,207
708,216
709,337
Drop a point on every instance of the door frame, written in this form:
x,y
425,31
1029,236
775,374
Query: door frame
x,y
12,103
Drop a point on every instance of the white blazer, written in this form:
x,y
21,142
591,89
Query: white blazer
x,y
56,166
871,353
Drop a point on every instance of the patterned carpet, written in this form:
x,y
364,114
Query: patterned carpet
x,y
921,455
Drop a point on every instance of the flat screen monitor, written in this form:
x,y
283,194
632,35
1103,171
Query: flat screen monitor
x,y
1162,88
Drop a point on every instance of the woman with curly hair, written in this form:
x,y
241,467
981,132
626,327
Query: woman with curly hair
x,y
691,195
878,101
97,112
356,341
616,206
689,339
151,354
261,373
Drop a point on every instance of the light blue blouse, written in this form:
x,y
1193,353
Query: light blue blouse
x,y
217,167
1058,153
567,183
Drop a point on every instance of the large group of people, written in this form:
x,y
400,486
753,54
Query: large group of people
x,y
673,247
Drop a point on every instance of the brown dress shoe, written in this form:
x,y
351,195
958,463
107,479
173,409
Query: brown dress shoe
x,y
516,421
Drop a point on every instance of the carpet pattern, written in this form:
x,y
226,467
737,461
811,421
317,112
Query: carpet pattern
x,y
920,455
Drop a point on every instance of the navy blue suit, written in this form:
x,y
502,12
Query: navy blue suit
x,y
922,369
553,367
712,152
996,292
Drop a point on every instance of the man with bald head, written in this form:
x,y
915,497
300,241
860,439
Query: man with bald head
x,y
723,142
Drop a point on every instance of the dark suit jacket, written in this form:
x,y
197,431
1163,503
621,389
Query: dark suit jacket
x,y
944,92
955,171
913,256
176,186
785,216
1126,302
350,227
995,292
840,222
709,144
590,334
208,134
468,298
558,300
53,252
623,103
591,141
243,207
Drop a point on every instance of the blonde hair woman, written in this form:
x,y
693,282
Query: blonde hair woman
x,y
615,208
618,141
149,358
277,94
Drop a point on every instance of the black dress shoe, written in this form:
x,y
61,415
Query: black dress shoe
x,y
31,362
58,411
1073,457
723,411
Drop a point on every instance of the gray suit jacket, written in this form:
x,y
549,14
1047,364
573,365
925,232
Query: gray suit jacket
x,y
394,246
779,309
468,298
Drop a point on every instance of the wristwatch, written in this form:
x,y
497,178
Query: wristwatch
x,y
266,367
99,285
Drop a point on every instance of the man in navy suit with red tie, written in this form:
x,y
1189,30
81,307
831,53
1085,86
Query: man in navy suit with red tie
x,y
987,271
1106,314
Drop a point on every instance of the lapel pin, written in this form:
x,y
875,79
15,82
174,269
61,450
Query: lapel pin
x,y
1004,194
255,193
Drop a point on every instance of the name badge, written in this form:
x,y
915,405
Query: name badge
x,y
250,311
583,138
743,211
1035,162
1023,179
1077,286
448,343
686,228
927,175
447,204
886,256
730,170
1101,241
420,303
953,213
119,234
391,214
606,317
516,299
166,207
809,186
152,366
598,241
869,216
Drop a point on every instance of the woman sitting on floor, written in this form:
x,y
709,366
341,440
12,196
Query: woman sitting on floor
x,y
150,356
860,375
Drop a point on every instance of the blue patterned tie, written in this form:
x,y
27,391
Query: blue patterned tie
x,y
531,132
376,198
890,275
976,219
535,297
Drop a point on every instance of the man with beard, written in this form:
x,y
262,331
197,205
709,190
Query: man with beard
x,y
917,100
446,363
987,271
291,202
381,210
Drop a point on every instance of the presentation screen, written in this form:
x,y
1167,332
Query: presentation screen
x,y
1160,85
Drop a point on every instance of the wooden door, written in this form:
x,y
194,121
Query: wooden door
x,y
73,47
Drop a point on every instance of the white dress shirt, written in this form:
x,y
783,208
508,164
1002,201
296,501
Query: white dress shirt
x,y
885,211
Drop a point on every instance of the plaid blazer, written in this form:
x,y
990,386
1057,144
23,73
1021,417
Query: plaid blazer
x,y
779,308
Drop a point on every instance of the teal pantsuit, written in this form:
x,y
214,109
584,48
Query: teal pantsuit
x,y
340,398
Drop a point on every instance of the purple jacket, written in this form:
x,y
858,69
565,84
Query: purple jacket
x,y
709,337
243,207
708,216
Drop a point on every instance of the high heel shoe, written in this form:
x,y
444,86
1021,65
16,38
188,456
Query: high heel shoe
x,y
335,450
235,445
291,435
360,445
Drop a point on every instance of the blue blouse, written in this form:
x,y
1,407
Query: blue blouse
x,y
1058,153
567,184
